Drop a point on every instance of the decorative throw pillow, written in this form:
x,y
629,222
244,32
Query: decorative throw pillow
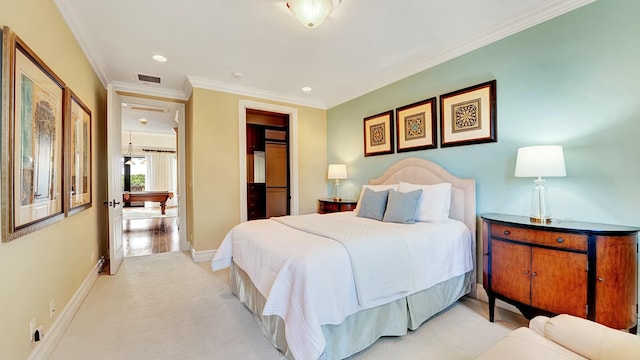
x,y
401,207
374,188
373,204
435,202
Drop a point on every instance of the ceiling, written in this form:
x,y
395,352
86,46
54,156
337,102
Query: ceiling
x,y
361,46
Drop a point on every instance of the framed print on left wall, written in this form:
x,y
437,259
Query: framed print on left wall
x,y
378,134
78,172
33,170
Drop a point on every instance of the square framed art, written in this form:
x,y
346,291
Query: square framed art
x,y
416,126
468,116
378,134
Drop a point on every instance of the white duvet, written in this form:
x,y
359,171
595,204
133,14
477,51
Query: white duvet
x,y
307,279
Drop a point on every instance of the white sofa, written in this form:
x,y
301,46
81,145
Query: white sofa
x,y
565,337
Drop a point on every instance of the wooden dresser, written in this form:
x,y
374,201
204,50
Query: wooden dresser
x,y
584,269
330,205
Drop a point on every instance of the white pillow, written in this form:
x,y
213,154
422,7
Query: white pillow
x,y
435,202
374,188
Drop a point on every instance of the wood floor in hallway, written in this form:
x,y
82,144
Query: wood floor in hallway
x,y
150,236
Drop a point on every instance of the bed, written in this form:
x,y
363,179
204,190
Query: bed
x,y
308,292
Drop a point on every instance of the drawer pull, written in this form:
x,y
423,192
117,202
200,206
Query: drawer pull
x,y
526,272
559,240
506,233
600,278
534,273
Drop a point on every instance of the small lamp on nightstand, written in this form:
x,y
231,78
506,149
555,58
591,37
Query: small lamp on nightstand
x,y
337,172
539,161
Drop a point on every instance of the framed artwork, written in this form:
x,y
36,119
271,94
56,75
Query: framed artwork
x,y
78,133
33,196
378,134
416,126
468,116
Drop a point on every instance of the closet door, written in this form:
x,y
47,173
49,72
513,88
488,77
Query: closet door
x,y
277,183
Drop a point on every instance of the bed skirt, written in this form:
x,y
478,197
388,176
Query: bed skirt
x,y
361,329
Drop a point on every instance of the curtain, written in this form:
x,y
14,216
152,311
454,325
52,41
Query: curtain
x,y
162,175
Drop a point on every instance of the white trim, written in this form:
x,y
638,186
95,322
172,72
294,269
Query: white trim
x,y
208,84
202,256
54,334
149,91
71,15
243,105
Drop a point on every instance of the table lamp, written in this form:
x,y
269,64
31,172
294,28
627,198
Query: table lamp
x,y
539,161
337,172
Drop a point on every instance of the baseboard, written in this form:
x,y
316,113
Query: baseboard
x,y
45,348
202,256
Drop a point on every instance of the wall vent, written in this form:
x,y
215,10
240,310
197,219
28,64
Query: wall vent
x,y
149,78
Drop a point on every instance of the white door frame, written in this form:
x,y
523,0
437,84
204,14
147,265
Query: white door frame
x,y
243,106
182,188
114,170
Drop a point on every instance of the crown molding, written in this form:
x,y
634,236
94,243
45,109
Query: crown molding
x,y
70,14
525,19
149,90
204,83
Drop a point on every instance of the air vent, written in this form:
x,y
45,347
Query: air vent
x,y
149,78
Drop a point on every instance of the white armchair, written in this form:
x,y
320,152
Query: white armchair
x,y
565,337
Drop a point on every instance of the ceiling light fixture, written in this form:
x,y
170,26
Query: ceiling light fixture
x,y
129,153
159,58
143,121
307,89
311,13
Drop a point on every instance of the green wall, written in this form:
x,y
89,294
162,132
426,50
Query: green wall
x,y
572,81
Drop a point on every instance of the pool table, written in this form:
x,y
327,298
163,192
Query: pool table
x,y
155,196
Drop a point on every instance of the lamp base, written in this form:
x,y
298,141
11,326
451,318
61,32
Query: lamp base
x,y
337,199
536,220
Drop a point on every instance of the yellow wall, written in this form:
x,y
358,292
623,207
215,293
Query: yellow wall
x,y
51,263
214,173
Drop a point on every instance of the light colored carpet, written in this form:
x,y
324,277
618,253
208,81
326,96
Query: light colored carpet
x,y
167,307
148,213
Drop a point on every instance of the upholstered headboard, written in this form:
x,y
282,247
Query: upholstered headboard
x,y
425,172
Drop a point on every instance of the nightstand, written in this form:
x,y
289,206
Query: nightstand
x,y
330,205
579,268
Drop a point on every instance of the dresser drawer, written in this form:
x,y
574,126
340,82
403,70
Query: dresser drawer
x,y
546,238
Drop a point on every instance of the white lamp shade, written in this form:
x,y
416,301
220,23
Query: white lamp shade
x,y
538,161
337,171
311,13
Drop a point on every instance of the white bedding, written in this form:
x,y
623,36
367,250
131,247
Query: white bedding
x,y
307,279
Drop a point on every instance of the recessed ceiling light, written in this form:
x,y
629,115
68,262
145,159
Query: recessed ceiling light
x,y
159,58
306,89
236,74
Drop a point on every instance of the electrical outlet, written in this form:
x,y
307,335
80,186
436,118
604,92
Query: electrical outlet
x,y
32,328
39,333
52,308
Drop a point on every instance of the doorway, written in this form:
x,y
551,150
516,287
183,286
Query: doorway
x,y
267,164
246,106
152,135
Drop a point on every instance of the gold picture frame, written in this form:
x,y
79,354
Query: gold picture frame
x,y
416,126
378,134
32,172
468,116
78,173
